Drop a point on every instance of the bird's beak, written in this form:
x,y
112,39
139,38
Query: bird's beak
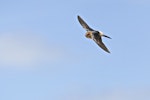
x,y
106,36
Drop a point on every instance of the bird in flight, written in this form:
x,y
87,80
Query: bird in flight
x,y
94,35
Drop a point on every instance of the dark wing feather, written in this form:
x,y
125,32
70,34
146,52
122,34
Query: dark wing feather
x,y
83,23
97,38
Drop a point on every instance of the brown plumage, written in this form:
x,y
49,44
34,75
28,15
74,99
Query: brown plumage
x,y
93,34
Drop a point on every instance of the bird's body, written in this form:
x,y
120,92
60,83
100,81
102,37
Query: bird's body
x,y
93,34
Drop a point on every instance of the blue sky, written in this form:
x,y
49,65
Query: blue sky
x,y
45,55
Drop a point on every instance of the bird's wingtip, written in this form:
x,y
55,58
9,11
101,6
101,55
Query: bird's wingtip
x,y
107,51
78,16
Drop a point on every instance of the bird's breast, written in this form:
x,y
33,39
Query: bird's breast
x,y
88,35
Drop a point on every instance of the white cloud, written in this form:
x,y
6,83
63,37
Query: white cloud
x,y
26,50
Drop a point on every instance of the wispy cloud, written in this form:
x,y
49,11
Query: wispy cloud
x,y
115,94
127,94
17,49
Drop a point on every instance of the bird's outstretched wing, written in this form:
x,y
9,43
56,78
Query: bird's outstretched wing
x,y
97,38
84,24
